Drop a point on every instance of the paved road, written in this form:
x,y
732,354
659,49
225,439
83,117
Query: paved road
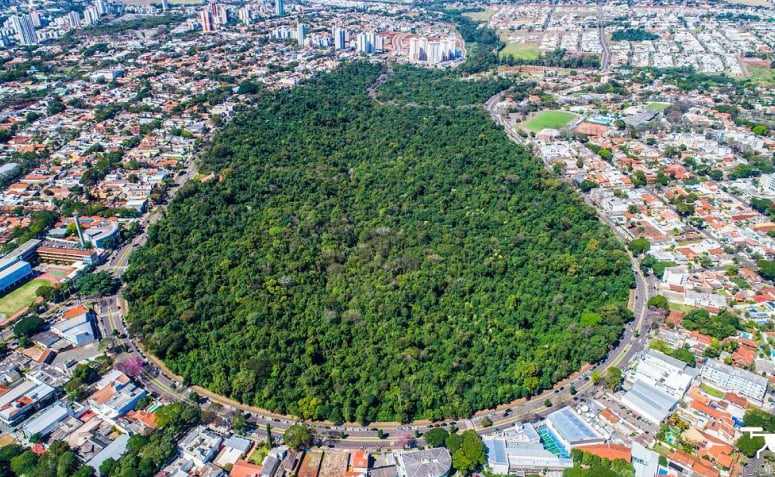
x,y
605,60
631,344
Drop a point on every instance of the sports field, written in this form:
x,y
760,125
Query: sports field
x,y
657,106
549,119
520,51
21,297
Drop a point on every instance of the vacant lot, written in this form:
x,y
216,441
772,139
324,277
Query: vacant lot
x,y
549,119
480,16
657,106
761,75
520,51
21,297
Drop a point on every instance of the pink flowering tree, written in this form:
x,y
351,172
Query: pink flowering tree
x,y
132,366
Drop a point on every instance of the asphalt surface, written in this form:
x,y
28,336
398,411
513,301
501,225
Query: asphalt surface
x,y
632,343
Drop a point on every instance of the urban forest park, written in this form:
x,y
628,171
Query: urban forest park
x,y
364,261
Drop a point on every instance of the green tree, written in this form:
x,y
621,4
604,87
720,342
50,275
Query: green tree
x,y
436,437
658,301
28,326
297,436
749,445
613,377
24,463
471,454
639,246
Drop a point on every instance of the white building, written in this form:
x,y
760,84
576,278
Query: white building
x,y
25,31
425,463
518,451
669,375
200,445
77,326
571,430
736,380
649,402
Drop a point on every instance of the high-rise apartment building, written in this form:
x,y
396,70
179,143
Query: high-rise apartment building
x,y
206,19
25,31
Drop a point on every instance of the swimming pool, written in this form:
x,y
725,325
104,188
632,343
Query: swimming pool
x,y
551,443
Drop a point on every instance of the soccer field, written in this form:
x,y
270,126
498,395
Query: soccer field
x,y
21,297
659,107
549,119
520,51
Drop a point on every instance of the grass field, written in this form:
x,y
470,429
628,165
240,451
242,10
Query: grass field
x,y
549,119
711,391
20,297
681,308
480,16
520,51
762,75
657,106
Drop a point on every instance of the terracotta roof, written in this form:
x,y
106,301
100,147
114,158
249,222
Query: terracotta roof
x,y
608,451
609,416
103,394
243,468
736,400
359,460
75,311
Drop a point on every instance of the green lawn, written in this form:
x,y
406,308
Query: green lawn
x,y
657,106
679,307
21,297
520,51
762,76
549,119
711,391
257,457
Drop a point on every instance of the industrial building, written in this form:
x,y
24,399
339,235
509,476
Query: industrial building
x,y
44,423
518,451
649,402
571,430
13,272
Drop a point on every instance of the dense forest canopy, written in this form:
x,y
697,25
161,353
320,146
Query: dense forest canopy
x,y
364,262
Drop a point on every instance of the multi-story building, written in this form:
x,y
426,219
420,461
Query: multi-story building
x,y
279,8
25,31
301,33
244,15
340,38
74,19
91,16
739,381
206,20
